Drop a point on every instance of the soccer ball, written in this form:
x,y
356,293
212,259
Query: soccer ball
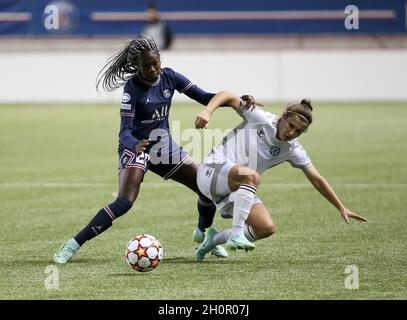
x,y
143,253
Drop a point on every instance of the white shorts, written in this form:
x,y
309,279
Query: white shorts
x,y
212,180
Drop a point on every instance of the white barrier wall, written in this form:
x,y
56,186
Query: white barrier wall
x,y
284,75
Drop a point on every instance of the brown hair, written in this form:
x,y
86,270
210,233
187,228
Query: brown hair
x,y
303,109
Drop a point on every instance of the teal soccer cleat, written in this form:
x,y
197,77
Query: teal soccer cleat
x,y
207,244
66,251
238,241
198,236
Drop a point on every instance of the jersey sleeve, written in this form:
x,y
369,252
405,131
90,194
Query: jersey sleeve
x,y
127,111
185,86
299,158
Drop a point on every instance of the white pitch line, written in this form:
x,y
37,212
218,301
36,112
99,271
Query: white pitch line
x,y
164,185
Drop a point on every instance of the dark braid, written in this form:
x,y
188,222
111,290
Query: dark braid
x,y
123,65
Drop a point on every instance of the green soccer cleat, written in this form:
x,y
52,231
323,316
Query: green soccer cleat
x,y
237,241
219,252
66,251
207,244
198,236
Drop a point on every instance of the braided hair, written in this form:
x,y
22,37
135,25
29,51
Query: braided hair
x,y
123,65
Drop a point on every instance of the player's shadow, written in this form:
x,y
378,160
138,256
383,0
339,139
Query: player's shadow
x,y
33,263
210,260
91,261
45,260
180,261
130,274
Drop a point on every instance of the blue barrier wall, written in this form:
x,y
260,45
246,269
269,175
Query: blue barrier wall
x,y
209,17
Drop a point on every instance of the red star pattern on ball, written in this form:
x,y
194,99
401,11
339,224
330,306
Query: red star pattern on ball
x,y
155,262
141,252
157,245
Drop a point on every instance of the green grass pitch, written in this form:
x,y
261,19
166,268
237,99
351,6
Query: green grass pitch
x,y
58,168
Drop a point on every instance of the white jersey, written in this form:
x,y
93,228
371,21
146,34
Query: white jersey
x,y
254,144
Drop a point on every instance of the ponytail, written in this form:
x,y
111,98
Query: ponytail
x,y
307,104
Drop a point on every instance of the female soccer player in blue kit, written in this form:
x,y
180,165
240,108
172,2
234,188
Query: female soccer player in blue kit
x,y
145,138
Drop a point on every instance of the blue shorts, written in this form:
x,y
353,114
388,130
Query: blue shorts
x,y
164,162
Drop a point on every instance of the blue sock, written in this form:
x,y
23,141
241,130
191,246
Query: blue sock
x,y
103,220
206,209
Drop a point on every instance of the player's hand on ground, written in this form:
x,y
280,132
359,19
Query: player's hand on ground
x,y
347,214
202,120
142,145
250,103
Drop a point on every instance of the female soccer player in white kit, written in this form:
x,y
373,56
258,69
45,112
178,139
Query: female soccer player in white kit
x,y
230,174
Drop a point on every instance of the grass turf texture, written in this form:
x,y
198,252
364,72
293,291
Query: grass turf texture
x,y
58,168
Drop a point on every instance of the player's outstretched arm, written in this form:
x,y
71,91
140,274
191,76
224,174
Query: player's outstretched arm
x,y
220,99
327,191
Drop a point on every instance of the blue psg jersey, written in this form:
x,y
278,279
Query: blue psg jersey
x,y
145,106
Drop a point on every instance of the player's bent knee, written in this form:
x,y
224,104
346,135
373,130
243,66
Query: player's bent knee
x,y
270,229
256,179
131,197
267,230
129,194
252,179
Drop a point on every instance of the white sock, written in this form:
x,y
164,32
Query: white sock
x,y
250,234
222,237
244,197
